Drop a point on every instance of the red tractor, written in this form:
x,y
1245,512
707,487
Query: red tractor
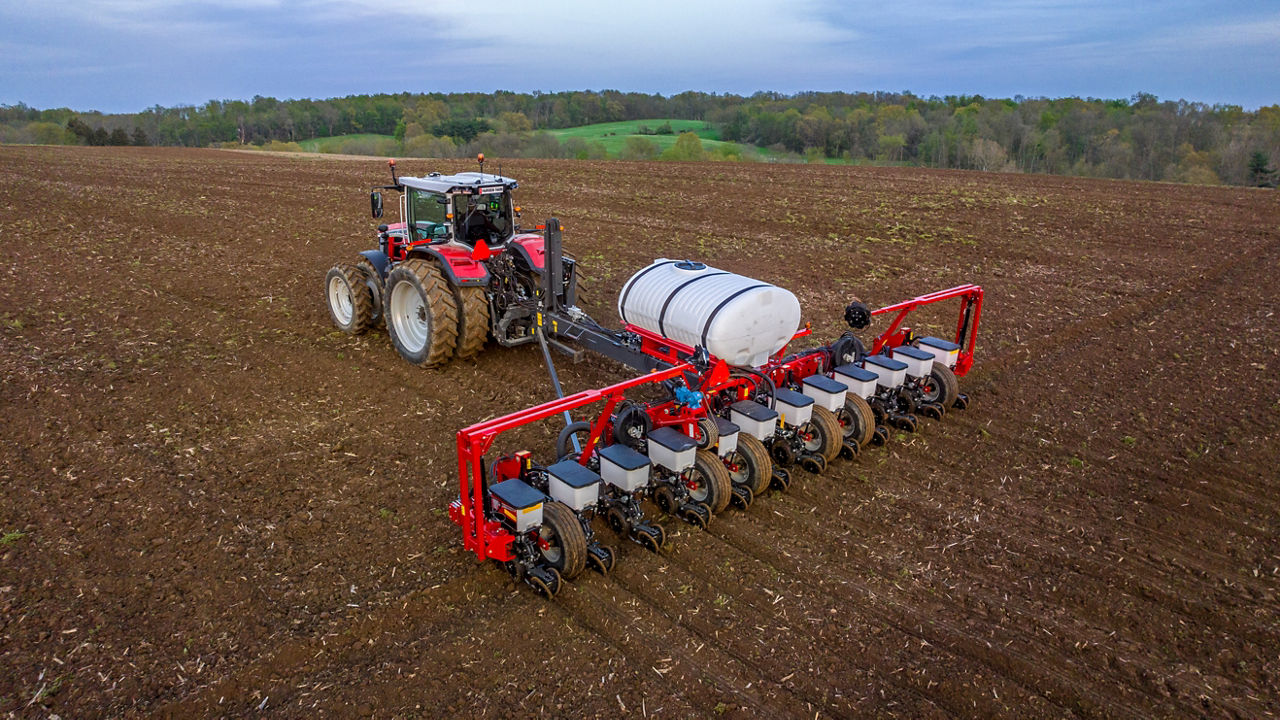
x,y
456,269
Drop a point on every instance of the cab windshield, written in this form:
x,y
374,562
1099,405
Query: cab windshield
x,y
483,217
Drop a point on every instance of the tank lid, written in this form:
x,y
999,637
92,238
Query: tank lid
x,y
690,265
573,474
516,493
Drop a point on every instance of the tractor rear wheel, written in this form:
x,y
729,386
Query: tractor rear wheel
x,y
755,468
374,281
827,435
350,303
709,481
422,318
473,319
857,421
941,386
561,540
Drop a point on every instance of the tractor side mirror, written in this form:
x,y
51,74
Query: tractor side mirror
x,y
375,203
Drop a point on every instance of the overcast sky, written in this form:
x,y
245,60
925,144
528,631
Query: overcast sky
x,y
127,55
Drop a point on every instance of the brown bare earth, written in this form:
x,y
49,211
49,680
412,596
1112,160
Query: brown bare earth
x,y
217,505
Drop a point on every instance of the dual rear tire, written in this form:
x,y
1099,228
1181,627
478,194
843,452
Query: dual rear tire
x,y
431,321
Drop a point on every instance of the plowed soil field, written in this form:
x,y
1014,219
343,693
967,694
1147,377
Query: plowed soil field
x,y
214,504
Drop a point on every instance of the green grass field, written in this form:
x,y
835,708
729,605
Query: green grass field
x,y
330,144
613,136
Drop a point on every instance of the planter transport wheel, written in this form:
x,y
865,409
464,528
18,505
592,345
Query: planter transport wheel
x,y
563,544
564,441
857,420
827,434
708,481
753,465
941,386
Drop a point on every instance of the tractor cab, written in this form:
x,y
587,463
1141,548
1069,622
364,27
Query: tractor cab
x,y
465,208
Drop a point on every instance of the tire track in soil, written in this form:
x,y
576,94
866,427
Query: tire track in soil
x,y
691,618
1052,685
766,613
599,614
1172,602
422,630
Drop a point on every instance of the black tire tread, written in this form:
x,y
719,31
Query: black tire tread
x,y
719,486
473,320
760,460
950,384
440,303
573,542
858,407
361,301
832,435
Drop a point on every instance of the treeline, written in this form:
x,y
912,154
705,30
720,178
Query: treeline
x,y
1141,137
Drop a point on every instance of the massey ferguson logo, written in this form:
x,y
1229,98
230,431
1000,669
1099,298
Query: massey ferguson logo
x,y
495,190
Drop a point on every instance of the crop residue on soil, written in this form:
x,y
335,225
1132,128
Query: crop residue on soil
x,y
216,505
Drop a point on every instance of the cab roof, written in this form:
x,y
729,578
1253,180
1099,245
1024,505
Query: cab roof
x,y
469,182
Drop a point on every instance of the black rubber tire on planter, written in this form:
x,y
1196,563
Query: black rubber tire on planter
x,y
347,296
828,434
712,479
862,421
943,387
422,318
757,466
568,544
707,433
374,281
563,445
473,320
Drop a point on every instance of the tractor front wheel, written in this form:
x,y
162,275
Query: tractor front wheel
x,y
350,302
563,544
422,317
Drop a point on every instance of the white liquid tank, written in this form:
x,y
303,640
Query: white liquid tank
x,y
737,319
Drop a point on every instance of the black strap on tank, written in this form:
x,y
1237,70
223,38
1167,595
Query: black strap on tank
x,y
662,316
622,304
711,318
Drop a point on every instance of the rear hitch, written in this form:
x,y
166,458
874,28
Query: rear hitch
x,y
962,402
741,497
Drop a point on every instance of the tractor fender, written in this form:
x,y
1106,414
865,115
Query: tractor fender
x,y
456,263
531,249
378,260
